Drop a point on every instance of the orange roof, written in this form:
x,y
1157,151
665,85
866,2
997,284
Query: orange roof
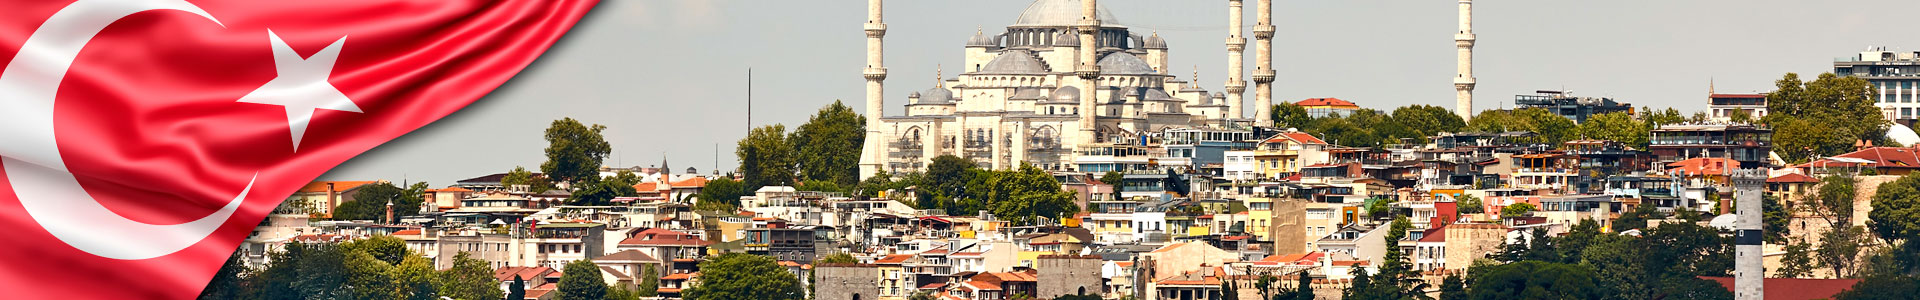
x,y
698,182
663,237
407,232
525,273
680,276
1793,178
1325,102
894,259
338,186
646,187
1795,288
537,294
1351,263
1704,166
982,285
1297,137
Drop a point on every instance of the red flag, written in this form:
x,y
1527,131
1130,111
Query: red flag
x,y
142,140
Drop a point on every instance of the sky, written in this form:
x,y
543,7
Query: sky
x,y
669,77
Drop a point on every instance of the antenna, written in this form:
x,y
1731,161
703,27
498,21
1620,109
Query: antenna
x,y
749,100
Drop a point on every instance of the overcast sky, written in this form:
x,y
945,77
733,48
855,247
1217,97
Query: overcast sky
x,y
668,78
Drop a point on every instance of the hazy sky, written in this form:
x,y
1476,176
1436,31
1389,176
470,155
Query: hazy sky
x,y
669,77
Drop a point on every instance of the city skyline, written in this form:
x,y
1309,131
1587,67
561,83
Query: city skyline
x,y
668,78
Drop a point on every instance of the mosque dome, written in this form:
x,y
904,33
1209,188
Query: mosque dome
x,y
1124,64
936,96
980,39
1903,135
1014,62
1059,13
1155,42
1065,94
1066,39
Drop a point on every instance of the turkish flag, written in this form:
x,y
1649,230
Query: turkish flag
x,y
142,140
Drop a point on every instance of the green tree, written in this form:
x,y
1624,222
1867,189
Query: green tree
x,y
721,194
580,280
744,276
1027,194
1535,280
517,290
1428,120
227,283
1636,218
621,293
1823,117
385,248
1453,288
1896,209
1798,261
574,151
1516,210
1287,114
1617,126
367,277
947,178
1552,129
649,282
370,202
415,279
469,279
828,146
1655,119
1396,278
1840,250
520,176
1882,288
1468,204
600,191
1112,178
766,157
1775,218
306,271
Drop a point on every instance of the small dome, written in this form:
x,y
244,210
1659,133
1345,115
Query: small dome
x,y
937,96
1124,64
1159,95
913,95
1903,135
980,39
1219,95
1016,62
1065,94
1026,94
1066,39
1155,42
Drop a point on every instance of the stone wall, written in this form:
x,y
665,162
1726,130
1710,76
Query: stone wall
x,y
1062,275
1467,242
846,282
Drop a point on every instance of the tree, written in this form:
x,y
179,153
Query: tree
x,y
415,279
1616,126
574,151
385,248
1025,195
600,191
1775,218
1840,249
948,178
1516,210
1453,288
470,279
1396,278
1798,261
1882,287
621,293
1637,218
1287,114
517,290
828,146
766,157
370,202
520,176
721,194
306,271
1896,209
1112,178
1468,204
744,276
1535,280
1553,129
1428,120
227,282
580,280
649,282
1823,117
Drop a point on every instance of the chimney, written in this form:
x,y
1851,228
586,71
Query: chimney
x,y
333,198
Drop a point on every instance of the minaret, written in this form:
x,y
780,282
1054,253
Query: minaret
x,y
1089,71
1463,83
872,152
1263,64
1236,47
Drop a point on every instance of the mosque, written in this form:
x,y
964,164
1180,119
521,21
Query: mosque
x,y
1066,87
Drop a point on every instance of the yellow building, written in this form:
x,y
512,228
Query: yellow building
x,y
1283,154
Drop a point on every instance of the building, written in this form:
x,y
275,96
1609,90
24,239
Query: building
x,y
846,282
1723,107
1895,75
320,197
1471,241
1563,103
1323,107
1881,160
1747,144
1062,275
1066,78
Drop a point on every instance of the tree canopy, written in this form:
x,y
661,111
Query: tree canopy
x,y
827,148
574,151
1823,117
744,276
370,202
520,176
1553,129
766,157
580,280
1534,280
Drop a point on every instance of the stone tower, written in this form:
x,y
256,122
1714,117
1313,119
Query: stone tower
x,y
1088,70
1236,46
1748,269
1263,64
1463,82
873,151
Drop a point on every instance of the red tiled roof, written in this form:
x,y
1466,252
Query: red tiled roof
x,y
647,187
669,290
893,259
696,182
1882,157
1351,263
1297,137
1705,166
507,273
679,276
1435,235
536,294
407,232
338,186
1325,102
629,255
982,285
1793,178
1795,288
